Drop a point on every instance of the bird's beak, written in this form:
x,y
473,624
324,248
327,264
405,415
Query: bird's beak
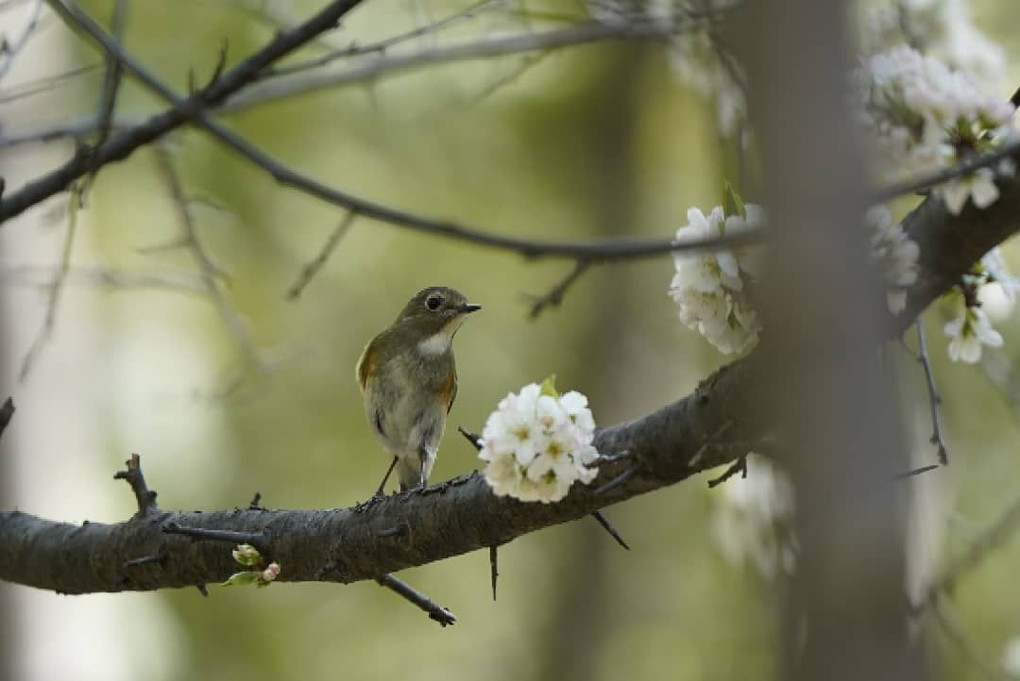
x,y
468,308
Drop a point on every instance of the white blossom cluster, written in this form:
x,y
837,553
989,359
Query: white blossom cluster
x,y
943,29
921,117
970,329
752,519
537,443
894,254
710,288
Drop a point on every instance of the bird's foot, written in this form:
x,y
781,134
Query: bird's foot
x,y
370,502
411,491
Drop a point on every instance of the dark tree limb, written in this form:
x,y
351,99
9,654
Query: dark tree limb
x,y
462,515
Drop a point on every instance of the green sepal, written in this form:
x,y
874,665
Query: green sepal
x,y
733,205
549,387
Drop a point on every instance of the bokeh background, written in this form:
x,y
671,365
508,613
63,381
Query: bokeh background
x,y
580,143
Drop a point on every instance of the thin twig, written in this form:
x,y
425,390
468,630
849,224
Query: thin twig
x,y
937,438
42,277
6,414
44,84
554,296
184,109
190,109
435,611
382,45
12,49
526,41
56,290
608,527
260,540
111,83
916,471
980,546
255,503
313,266
494,568
145,497
950,626
931,180
208,270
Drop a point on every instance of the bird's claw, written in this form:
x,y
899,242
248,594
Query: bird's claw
x,y
369,503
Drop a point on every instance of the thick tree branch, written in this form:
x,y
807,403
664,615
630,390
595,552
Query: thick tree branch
x,y
462,515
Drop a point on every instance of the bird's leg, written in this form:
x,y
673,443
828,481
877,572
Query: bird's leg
x,y
422,457
380,494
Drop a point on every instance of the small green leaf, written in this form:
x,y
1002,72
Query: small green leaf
x,y
549,387
733,205
242,578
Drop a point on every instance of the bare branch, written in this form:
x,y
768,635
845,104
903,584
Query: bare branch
x,y
388,65
1010,149
145,497
192,109
981,545
554,296
43,277
602,520
313,267
382,45
950,626
208,270
56,290
435,611
11,49
122,145
42,85
937,438
111,84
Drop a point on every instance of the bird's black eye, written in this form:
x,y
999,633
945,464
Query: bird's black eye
x,y
433,302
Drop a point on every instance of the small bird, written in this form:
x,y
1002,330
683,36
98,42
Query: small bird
x,y
409,381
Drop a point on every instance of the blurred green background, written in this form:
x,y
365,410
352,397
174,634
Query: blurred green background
x,y
583,143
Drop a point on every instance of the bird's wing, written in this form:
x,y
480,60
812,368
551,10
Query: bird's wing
x,y
364,364
451,390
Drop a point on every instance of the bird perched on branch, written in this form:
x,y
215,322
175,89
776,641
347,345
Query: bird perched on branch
x,y
409,381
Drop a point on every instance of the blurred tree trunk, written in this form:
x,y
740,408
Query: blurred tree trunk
x,y
581,624
847,615
7,614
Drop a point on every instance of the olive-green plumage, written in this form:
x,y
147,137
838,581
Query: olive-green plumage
x,y
409,380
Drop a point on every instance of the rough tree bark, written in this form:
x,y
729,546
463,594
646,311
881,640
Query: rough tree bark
x,y
714,425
